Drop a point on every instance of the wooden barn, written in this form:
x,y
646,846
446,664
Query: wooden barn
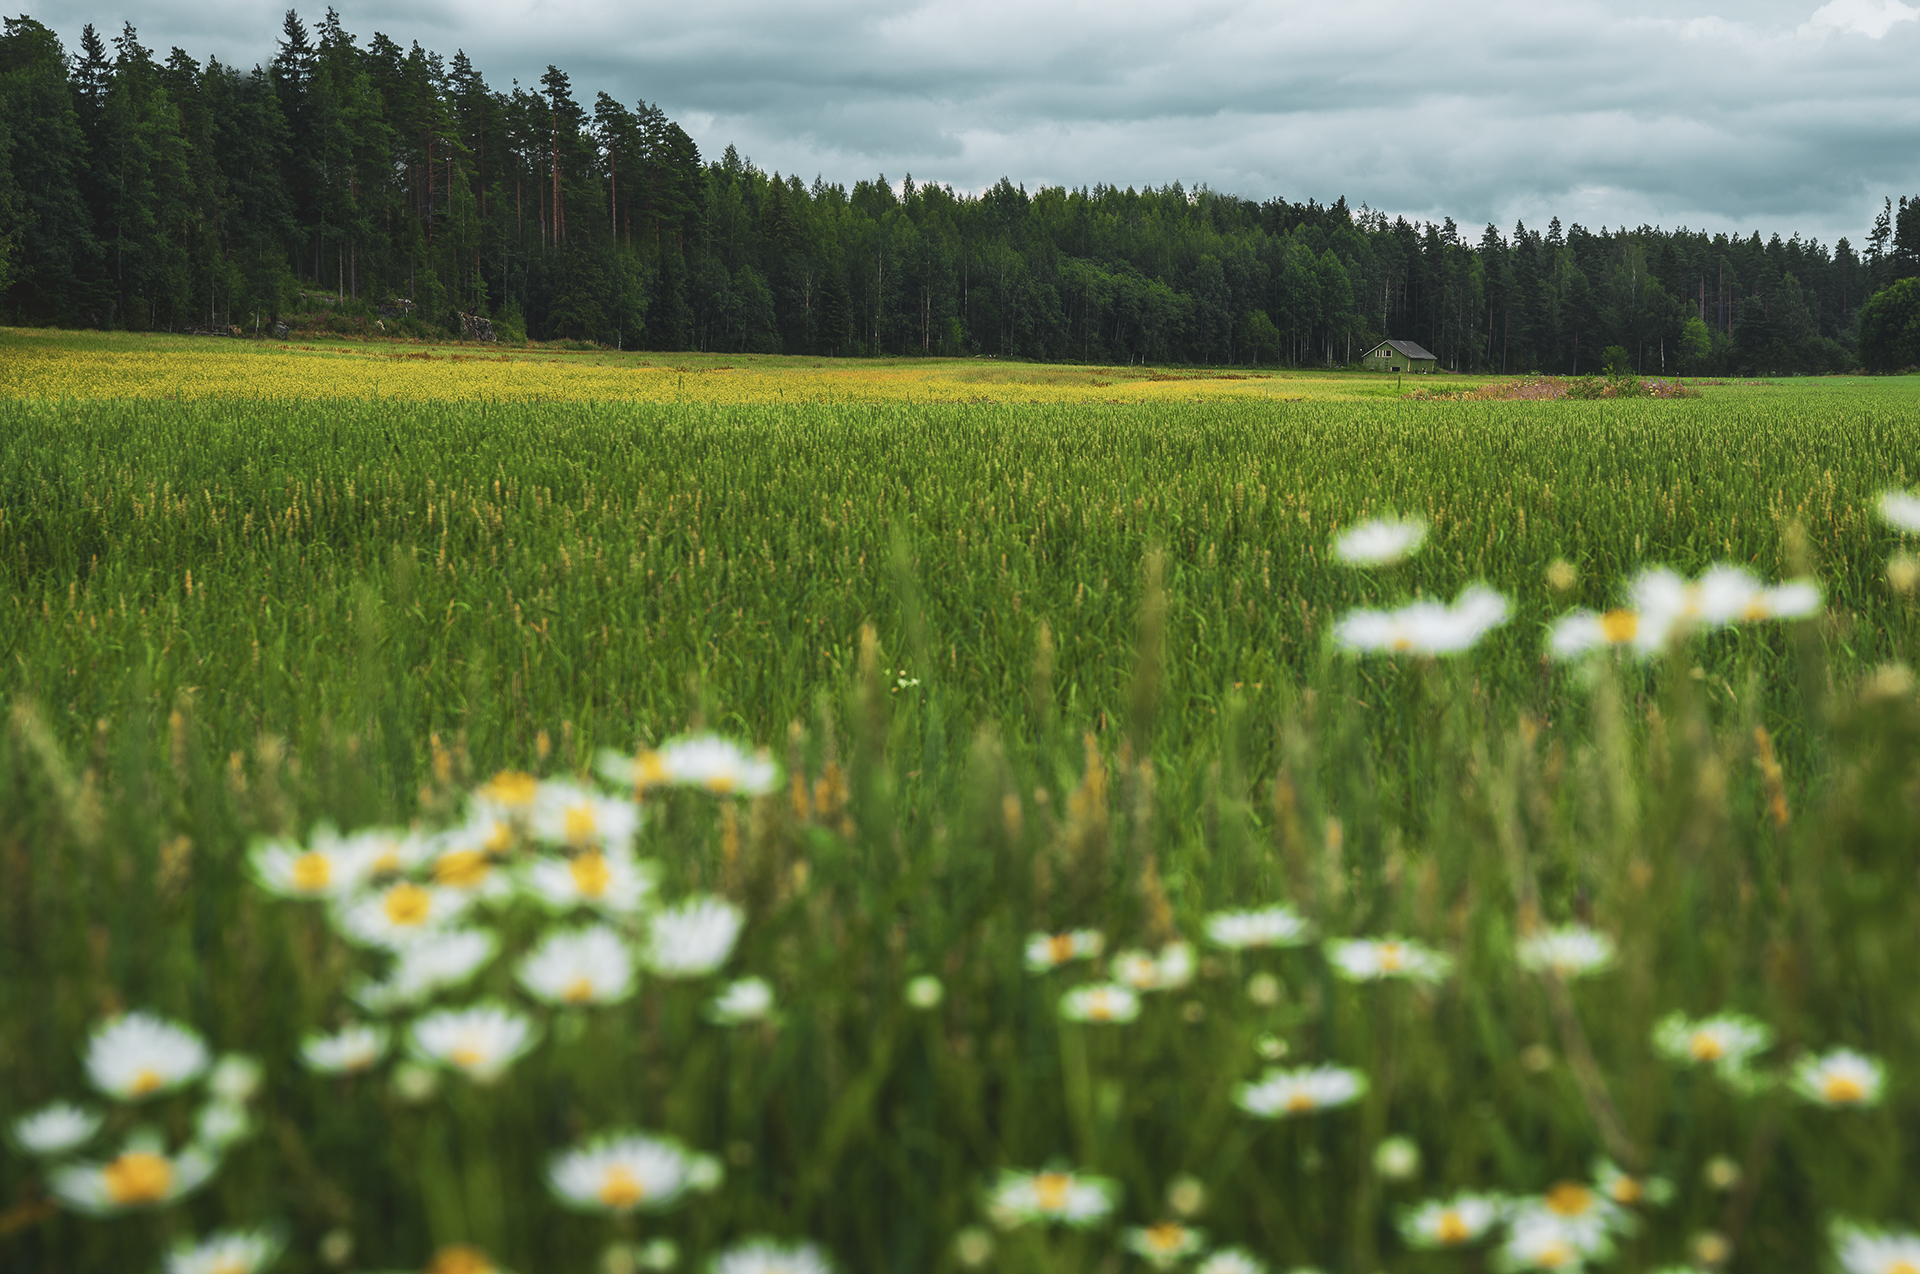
x,y
1398,356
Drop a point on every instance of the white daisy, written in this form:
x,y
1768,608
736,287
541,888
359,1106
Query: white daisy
x,y
707,761
1380,542
1051,950
351,1049
324,868
1840,1078
1869,1251
1626,1189
593,965
621,1173
143,1177
1570,951
1423,628
1232,1260
400,914
1727,1040
219,1124
764,1256
578,818
1583,631
391,850
693,938
1724,594
1279,926
1583,1218
1165,1245
1168,971
140,1055
1901,510
1099,1003
226,1252
235,1078
1302,1091
748,1000
1539,1244
1071,1198
481,1041
1364,960
616,883
1455,1222
55,1130
442,960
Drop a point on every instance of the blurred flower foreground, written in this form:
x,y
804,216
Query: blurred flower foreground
x,y
1631,995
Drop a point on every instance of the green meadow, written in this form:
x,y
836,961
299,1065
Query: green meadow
x,y
1024,670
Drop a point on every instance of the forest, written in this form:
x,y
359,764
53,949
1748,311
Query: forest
x,y
359,187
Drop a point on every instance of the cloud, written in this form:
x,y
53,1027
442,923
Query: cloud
x,y
1871,18
1771,115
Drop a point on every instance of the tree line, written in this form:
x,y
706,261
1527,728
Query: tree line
x,y
365,186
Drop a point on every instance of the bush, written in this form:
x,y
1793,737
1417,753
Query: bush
x,y
1890,328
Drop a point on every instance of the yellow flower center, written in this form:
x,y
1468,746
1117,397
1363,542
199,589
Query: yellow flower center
x,y
230,1265
389,860
499,838
145,1080
578,991
139,1176
1451,1228
582,824
1299,1101
1059,948
1619,625
1166,1237
620,1188
468,1054
721,783
511,787
591,875
1569,1198
1051,1189
460,1259
1401,642
651,768
1901,1267
1627,1190
1705,1046
1100,1007
461,869
1757,609
1843,1090
407,904
1393,957
312,872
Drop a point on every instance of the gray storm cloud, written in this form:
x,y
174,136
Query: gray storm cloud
x,y
1771,116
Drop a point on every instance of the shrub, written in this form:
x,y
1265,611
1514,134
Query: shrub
x,y
1890,328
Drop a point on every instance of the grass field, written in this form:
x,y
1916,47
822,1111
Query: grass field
x,y
1033,665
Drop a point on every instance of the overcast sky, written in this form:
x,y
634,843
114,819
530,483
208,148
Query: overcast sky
x,y
1765,114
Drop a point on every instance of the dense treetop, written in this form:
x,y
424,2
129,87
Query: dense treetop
x,y
385,184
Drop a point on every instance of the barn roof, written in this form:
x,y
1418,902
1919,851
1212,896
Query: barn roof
x,y
1408,348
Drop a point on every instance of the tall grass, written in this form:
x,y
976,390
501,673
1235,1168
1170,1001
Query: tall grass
x,y
956,610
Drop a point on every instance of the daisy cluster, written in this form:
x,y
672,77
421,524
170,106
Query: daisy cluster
x,y
1662,607
429,907
441,913
1569,1226
118,1160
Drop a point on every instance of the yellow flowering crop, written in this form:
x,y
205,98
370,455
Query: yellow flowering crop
x,y
44,365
